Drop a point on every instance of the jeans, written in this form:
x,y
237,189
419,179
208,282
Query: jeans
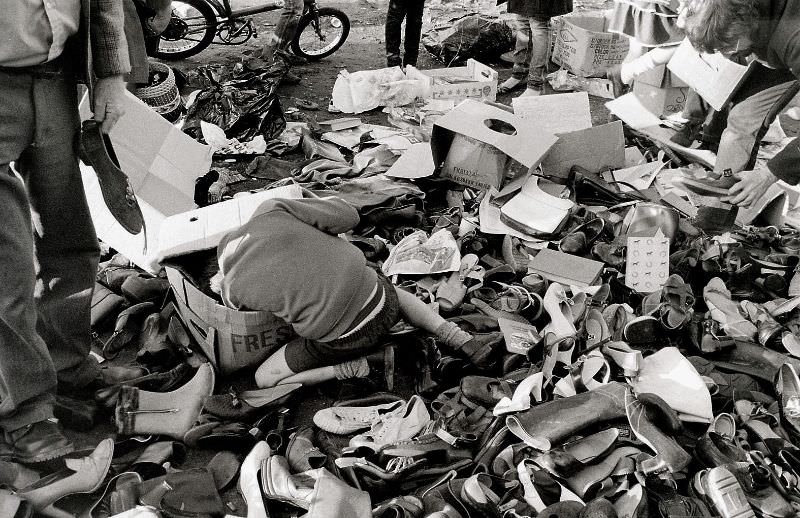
x,y
48,249
411,10
531,49
287,23
751,105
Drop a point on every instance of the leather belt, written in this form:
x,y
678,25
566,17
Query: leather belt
x,y
50,69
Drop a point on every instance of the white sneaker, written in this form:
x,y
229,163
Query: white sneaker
x,y
344,420
400,425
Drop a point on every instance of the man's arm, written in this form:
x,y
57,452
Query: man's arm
x,y
786,164
109,60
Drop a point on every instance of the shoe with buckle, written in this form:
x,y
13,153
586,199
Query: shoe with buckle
x,y
97,151
35,443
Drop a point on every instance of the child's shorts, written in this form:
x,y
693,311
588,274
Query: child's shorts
x,y
303,354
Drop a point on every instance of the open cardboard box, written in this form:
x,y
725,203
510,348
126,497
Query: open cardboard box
x,y
477,144
162,164
661,91
584,46
231,339
474,81
713,76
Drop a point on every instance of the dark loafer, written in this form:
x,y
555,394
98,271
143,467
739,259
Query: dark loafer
x,y
580,240
97,151
715,450
37,442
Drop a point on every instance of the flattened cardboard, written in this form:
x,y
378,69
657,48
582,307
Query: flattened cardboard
x,y
231,339
162,164
713,76
584,47
559,113
527,146
416,162
203,228
594,149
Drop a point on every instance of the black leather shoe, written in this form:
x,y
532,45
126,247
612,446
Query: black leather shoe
x,y
34,443
715,450
96,150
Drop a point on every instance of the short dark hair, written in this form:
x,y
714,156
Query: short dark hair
x,y
721,24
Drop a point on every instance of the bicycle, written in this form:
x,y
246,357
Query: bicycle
x,y
196,23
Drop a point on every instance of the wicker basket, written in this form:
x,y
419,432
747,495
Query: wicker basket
x,y
164,98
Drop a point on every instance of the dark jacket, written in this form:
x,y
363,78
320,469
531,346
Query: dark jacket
x,y
779,36
540,8
99,49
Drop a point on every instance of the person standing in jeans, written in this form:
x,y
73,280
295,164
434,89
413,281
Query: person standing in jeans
x,y
532,21
411,10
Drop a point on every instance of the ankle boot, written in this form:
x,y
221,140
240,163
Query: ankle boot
x,y
545,425
140,412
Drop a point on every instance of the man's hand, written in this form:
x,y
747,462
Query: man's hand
x,y
750,188
108,93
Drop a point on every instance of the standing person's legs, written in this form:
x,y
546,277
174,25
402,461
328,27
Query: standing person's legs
x,y
285,29
744,122
522,48
413,31
67,251
540,44
27,376
393,36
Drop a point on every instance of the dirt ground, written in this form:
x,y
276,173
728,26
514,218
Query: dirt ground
x,y
363,50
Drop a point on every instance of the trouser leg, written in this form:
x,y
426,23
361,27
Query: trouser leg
x,y
522,48
27,375
413,31
287,23
394,21
66,245
540,44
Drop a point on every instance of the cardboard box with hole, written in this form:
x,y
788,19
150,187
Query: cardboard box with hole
x,y
231,339
479,145
584,46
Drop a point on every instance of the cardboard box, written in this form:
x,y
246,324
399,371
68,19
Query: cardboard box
x,y
162,164
661,92
477,144
231,339
661,101
713,76
474,81
203,228
583,45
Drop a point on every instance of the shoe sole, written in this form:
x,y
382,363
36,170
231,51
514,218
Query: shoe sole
x,y
701,188
37,459
727,495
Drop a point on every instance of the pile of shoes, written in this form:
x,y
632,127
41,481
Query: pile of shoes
x,y
627,364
